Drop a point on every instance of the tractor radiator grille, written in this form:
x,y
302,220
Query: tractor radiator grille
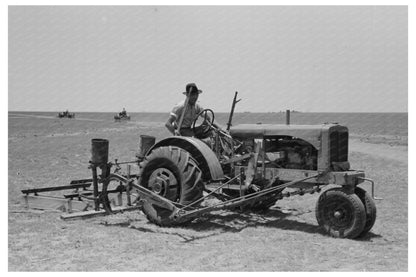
x,y
338,146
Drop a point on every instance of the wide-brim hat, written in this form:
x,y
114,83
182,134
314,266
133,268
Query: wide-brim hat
x,y
191,87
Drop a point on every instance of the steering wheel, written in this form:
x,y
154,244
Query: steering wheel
x,y
203,128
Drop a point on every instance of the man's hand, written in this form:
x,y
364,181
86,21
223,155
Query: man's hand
x,y
171,126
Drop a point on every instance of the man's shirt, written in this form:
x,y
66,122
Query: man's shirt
x,y
190,113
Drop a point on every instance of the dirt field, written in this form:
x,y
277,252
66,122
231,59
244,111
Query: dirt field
x,y
49,152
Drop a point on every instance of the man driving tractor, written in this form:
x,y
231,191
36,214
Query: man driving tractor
x,y
183,114
123,113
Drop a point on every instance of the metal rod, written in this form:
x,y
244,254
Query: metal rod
x,y
75,186
235,101
242,179
95,188
130,162
287,117
240,200
81,181
243,188
86,193
372,188
263,166
128,187
188,94
105,173
212,192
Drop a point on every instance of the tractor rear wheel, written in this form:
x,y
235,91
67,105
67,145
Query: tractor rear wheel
x,y
340,213
370,209
172,173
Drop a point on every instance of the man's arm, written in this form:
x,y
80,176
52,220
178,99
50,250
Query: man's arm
x,y
171,126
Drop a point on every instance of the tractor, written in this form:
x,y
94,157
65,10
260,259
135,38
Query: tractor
x,y
121,116
66,114
252,166
245,167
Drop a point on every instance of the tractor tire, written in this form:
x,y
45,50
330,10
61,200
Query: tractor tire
x,y
341,214
370,209
172,173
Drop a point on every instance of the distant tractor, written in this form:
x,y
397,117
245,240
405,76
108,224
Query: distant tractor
x,y
246,167
121,116
66,114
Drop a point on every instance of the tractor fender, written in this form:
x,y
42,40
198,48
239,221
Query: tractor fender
x,y
206,158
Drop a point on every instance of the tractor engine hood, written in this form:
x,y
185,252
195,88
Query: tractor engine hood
x,y
309,133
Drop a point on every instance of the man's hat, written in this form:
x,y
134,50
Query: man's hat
x,y
191,87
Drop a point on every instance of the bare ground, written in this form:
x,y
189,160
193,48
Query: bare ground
x,y
49,152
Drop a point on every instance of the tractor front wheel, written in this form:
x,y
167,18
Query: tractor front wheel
x,y
370,209
172,173
340,213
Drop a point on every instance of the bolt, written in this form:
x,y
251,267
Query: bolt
x,y
337,214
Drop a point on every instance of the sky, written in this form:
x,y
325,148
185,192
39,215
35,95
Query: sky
x,y
304,58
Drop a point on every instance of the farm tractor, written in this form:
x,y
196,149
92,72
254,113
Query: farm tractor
x,y
245,167
121,116
66,114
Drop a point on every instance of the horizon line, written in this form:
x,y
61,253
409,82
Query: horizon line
x,y
291,111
